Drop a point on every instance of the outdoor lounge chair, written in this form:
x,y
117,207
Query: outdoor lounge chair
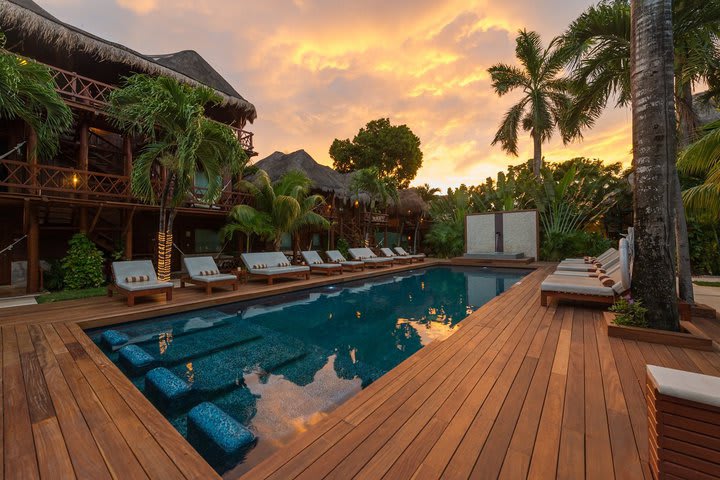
x,y
369,258
419,257
350,265
272,265
603,289
604,263
600,258
137,278
609,270
205,272
317,265
388,253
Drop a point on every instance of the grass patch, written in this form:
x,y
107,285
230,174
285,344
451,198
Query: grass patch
x,y
63,295
703,283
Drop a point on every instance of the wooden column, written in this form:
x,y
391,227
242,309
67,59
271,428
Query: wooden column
x,y
128,234
83,161
31,157
33,248
128,154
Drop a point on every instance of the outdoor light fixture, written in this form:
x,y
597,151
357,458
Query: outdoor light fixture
x,y
75,180
357,204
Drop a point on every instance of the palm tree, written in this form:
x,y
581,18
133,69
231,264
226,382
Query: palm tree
x,y
426,192
380,189
654,155
545,94
27,92
599,41
182,141
703,158
285,206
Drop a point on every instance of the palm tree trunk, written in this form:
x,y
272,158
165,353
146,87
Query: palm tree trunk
x,y
687,134
654,155
537,155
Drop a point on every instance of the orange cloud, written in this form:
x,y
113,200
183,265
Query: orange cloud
x,y
320,69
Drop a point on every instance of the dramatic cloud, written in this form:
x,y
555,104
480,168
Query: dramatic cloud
x,y
320,69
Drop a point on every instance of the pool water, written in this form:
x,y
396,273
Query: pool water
x,y
278,365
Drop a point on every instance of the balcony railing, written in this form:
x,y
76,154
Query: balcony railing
x,y
91,94
48,180
375,218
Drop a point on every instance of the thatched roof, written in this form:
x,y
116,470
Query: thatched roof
x,y
323,177
34,32
409,203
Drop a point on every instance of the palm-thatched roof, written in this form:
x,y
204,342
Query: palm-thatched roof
x,y
409,203
324,178
34,32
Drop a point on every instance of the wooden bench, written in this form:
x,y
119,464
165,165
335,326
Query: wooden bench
x,y
683,424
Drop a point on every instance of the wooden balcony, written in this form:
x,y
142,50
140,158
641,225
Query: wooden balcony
x,y
68,183
375,218
89,94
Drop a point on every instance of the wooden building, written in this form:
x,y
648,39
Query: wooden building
x,y
86,187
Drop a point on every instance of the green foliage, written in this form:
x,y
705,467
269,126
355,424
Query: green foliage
x,y
544,93
54,279
394,150
702,158
426,192
380,189
281,207
513,190
181,138
446,237
343,246
27,92
83,265
598,42
577,243
704,247
71,295
629,313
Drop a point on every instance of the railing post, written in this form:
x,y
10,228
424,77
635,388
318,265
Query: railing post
x,y
31,158
128,154
33,248
83,164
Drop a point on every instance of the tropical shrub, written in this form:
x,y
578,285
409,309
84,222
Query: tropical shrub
x,y
446,237
445,240
704,247
83,265
558,245
629,313
343,246
54,278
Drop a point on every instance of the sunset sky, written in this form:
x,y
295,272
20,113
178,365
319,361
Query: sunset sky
x,y
320,69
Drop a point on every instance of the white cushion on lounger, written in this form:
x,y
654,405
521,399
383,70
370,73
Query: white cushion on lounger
x,y
579,285
271,259
579,267
196,265
137,268
401,251
387,252
337,257
278,270
213,278
313,259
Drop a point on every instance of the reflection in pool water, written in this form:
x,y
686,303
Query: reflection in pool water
x,y
278,365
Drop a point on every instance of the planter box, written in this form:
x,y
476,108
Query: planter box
x,y
690,337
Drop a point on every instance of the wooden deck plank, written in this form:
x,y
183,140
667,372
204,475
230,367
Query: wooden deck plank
x,y
84,454
571,459
21,460
543,462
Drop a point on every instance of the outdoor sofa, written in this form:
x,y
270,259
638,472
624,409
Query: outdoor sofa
x,y
317,265
350,265
137,278
203,271
272,265
369,258
419,257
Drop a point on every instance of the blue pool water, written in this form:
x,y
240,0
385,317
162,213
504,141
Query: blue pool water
x,y
278,365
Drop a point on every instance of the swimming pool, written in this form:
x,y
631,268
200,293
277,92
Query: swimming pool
x,y
277,365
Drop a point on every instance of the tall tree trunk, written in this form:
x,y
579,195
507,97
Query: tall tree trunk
x,y
654,155
537,155
688,126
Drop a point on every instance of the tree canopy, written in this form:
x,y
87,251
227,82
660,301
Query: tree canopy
x,y
393,149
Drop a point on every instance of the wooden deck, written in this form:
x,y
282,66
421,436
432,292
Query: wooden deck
x,y
470,406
